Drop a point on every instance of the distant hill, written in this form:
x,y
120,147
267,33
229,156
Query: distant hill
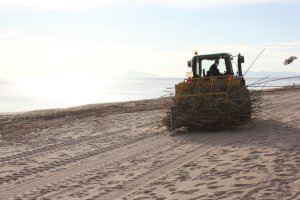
x,y
262,74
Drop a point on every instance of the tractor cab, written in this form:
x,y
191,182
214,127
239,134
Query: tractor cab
x,y
201,64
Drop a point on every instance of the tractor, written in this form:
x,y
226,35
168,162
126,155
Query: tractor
x,y
209,102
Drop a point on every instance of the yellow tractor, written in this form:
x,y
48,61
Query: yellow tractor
x,y
208,100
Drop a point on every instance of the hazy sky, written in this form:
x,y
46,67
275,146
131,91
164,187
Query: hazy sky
x,y
110,37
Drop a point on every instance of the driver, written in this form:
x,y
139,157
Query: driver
x,y
213,70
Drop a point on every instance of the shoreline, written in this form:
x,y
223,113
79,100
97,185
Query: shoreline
x,y
89,107
86,107
18,124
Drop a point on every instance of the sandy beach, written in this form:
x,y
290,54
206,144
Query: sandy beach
x,y
122,151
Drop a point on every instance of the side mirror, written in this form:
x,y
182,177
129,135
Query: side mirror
x,y
241,59
189,63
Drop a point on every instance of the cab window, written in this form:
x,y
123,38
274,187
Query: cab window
x,y
206,64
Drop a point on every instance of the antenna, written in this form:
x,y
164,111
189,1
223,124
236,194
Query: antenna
x,y
254,61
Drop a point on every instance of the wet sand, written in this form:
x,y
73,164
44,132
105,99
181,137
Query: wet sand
x,y
122,151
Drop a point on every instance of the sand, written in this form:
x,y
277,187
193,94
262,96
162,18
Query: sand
x,y
122,151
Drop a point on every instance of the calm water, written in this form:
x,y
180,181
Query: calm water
x,y
32,94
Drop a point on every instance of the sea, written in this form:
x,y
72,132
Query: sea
x,y
27,94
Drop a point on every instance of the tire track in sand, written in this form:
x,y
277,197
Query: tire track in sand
x,y
144,178
61,145
155,174
38,169
106,154
55,189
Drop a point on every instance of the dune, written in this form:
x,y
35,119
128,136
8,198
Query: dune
x,y
122,151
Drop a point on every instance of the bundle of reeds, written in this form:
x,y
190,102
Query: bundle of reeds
x,y
212,111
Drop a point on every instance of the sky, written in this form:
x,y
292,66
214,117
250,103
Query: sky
x,y
107,38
